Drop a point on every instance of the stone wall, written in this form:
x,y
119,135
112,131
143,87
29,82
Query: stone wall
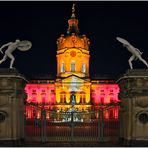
x,y
134,105
12,97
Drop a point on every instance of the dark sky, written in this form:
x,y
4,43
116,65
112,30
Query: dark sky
x,y
43,22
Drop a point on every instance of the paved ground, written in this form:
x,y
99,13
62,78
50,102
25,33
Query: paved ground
x,y
75,144
65,144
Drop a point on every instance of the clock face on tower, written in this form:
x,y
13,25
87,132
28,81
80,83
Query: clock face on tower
x,y
73,53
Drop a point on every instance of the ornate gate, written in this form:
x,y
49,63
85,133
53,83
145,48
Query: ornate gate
x,y
52,126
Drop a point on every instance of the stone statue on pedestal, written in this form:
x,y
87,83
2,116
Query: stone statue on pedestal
x,y
136,53
20,45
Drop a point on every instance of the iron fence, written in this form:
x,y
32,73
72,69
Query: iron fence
x,y
72,127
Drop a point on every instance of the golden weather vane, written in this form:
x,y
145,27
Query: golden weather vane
x,y
73,10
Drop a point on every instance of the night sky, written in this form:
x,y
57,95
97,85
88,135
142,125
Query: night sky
x,y
43,22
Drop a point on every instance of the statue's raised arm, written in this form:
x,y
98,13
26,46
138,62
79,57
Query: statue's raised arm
x,y
20,45
136,53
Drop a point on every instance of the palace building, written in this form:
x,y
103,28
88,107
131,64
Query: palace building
x,y
72,90
73,108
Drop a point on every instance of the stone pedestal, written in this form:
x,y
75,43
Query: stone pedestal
x,y
12,97
134,106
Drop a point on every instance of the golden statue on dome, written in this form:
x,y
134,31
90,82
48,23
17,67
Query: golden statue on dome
x,y
73,10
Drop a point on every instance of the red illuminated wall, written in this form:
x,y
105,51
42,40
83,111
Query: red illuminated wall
x,y
40,93
104,93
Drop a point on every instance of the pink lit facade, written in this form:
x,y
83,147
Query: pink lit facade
x,y
105,93
41,93
37,96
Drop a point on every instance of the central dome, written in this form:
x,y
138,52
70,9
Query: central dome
x,y
73,38
73,41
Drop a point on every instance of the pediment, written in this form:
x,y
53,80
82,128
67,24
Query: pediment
x,y
73,79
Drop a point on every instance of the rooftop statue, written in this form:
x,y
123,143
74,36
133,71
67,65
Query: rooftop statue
x,y
20,45
136,53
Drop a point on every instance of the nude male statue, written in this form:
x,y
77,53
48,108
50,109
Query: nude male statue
x,y
21,45
136,53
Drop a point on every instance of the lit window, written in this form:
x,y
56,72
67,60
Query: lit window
x,y
82,97
102,100
63,97
62,68
101,90
83,68
73,67
34,91
52,91
111,99
43,91
34,97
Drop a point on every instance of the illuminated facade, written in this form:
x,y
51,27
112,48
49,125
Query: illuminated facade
x,y
72,88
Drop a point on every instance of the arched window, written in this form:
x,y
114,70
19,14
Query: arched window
x,y
102,100
82,97
34,97
62,67
111,97
63,97
43,96
83,68
73,66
